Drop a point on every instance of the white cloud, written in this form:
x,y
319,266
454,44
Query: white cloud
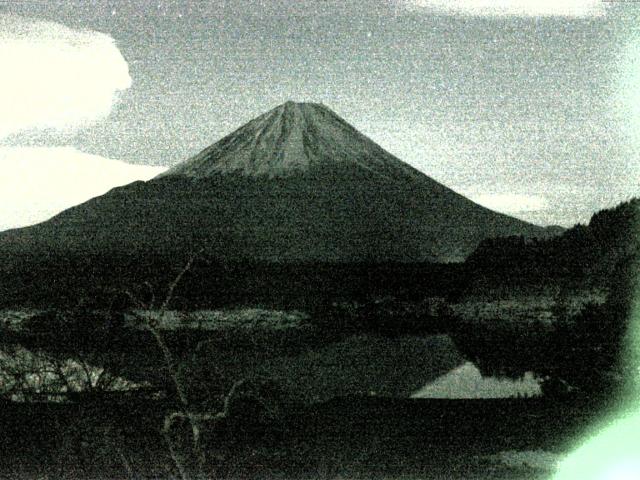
x,y
39,182
524,8
510,202
54,76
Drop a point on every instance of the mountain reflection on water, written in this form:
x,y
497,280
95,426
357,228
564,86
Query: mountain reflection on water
x,y
32,374
466,381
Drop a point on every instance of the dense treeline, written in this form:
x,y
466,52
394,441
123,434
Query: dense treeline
x,y
52,282
590,251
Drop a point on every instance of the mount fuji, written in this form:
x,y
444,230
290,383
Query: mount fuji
x,y
296,184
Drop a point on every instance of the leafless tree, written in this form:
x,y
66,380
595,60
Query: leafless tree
x,y
195,418
27,375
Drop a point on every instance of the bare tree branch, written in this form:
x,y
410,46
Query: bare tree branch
x,y
178,279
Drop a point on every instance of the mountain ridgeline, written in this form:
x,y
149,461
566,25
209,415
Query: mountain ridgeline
x,y
296,185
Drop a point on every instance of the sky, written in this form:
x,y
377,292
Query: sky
x,y
530,108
